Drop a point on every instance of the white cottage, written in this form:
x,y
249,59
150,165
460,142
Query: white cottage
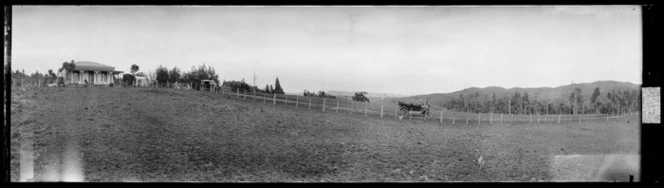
x,y
92,72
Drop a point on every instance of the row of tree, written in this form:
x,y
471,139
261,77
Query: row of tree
x,y
168,77
242,86
39,78
619,101
320,94
34,78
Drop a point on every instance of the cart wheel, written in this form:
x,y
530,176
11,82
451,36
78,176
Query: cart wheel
x,y
404,112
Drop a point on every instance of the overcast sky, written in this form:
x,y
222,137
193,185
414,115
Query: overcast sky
x,y
402,50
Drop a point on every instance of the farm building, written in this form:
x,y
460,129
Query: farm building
x,y
207,85
92,72
141,80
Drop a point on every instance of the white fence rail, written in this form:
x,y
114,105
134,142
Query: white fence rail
x,y
386,110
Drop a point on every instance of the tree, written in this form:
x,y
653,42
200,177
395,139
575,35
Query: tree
x,y
493,102
67,67
162,75
516,102
579,99
267,88
462,101
51,75
593,99
202,72
612,100
134,68
277,87
271,89
236,86
309,94
476,101
360,96
525,102
322,94
174,75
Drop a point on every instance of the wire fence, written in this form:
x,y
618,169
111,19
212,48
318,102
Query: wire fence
x,y
393,111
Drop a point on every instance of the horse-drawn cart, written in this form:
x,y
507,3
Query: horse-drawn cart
x,y
406,109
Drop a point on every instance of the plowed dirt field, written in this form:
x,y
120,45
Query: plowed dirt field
x,y
143,134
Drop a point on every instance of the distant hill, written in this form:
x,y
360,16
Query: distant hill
x,y
352,93
547,93
369,94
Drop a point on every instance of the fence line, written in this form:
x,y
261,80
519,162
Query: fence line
x,y
381,110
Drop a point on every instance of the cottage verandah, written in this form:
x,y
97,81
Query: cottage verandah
x,y
92,72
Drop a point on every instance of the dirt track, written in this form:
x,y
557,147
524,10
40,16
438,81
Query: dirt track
x,y
140,134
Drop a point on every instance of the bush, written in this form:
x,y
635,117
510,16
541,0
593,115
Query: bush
x,y
359,96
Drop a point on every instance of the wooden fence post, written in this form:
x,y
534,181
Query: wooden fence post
x,y
531,119
467,120
274,99
559,118
396,112
244,97
441,117
309,102
381,110
538,118
337,110
323,104
297,101
479,119
410,115
366,107
352,106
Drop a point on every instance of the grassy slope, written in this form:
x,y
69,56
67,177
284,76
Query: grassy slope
x,y
172,135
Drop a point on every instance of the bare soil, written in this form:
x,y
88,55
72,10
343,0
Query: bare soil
x,y
144,134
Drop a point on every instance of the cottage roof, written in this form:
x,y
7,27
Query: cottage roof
x,y
92,66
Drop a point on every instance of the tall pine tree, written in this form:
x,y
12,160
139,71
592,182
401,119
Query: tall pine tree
x,y
277,87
